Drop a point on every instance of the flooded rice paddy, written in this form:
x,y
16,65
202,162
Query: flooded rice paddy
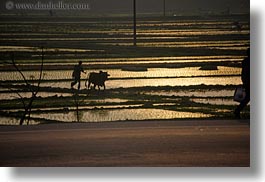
x,y
120,74
182,68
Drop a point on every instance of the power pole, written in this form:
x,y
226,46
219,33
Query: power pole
x,y
134,23
164,7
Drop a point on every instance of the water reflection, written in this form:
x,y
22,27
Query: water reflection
x,y
173,59
9,96
193,93
174,82
214,101
122,115
117,73
105,115
69,38
14,121
129,83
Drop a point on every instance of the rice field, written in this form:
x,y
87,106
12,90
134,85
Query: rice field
x,y
181,68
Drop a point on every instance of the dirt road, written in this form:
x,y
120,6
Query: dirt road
x,y
154,143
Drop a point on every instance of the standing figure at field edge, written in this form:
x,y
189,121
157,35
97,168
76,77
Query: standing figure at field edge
x,y
77,74
245,77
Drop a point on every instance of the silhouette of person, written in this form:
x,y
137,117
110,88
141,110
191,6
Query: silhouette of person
x,y
245,77
77,74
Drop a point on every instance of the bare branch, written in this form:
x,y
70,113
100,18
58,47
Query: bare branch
x,y
41,71
20,72
30,87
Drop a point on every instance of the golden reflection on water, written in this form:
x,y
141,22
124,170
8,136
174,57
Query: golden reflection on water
x,y
119,74
174,82
170,34
214,101
14,121
192,93
171,59
111,115
129,83
35,49
123,115
225,44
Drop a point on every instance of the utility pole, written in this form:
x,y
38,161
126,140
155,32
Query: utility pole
x,y
134,23
164,7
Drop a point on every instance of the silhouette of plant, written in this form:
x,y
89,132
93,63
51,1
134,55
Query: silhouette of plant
x,y
28,86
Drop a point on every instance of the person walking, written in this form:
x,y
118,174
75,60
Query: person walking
x,y
245,77
77,75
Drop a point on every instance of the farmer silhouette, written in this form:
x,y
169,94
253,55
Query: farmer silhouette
x,y
245,77
77,74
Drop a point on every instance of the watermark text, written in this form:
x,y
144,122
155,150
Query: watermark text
x,y
61,5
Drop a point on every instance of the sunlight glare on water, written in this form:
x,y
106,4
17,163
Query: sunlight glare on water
x,y
172,53
116,73
122,115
